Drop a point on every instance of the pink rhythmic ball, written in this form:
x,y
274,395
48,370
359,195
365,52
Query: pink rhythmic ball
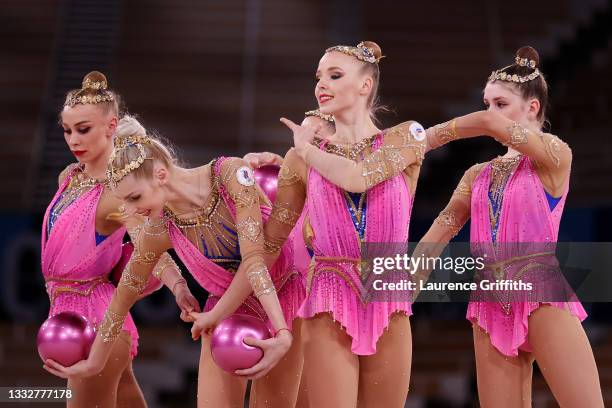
x,y
227,347
66,337
267,178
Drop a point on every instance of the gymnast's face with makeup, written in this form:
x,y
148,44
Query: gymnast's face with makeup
x,y
88,131
506,99
343,82
144,192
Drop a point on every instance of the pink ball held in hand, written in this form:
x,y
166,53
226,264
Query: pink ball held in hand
x,y
267,178
227,346
66,338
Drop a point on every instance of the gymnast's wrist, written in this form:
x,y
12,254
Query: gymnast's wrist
x,y
283,331
284,335
179,285
304,151
217,314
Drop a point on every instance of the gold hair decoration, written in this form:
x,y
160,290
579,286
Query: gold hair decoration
x,y
361,52
123,142
503,76
104,95
95,85
88,99
317,113
525,62
114,174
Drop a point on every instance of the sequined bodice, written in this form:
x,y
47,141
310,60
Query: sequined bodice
x,y
502,169
79,185
354,151
212,230
355,202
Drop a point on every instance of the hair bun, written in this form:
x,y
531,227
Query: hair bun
x,y
128,126
95,80
376,50
529,54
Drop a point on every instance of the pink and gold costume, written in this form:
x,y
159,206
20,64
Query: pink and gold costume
x,y
525,217
75,266
341,221
224,235
515,221
212,252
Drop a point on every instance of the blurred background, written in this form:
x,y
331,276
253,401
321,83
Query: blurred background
x,y
214,77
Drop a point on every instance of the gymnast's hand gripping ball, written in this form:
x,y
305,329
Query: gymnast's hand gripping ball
x,y
227,346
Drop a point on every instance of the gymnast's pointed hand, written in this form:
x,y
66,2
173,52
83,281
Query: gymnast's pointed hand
x,y
203,322
302,135
274,349
187,303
